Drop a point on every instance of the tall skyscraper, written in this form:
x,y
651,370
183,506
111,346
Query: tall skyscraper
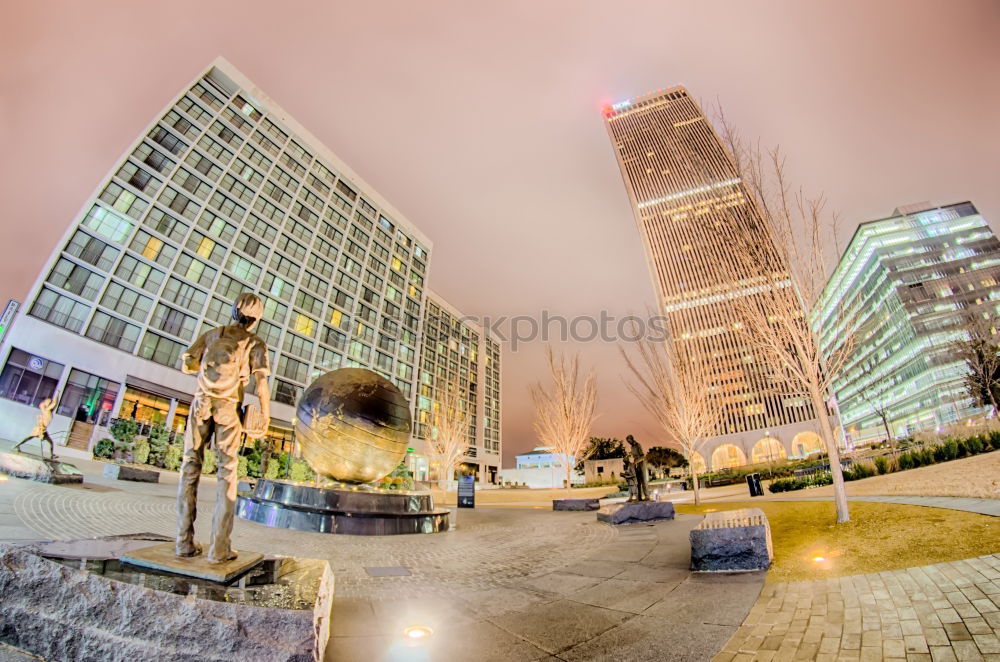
x,y
223,193
686,196
914,282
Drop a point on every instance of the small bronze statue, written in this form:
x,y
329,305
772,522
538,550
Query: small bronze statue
x,y
638,466
41,429
628,473
224,359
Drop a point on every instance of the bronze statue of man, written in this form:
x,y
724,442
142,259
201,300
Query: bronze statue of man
x,y
224,359
41,429
638,458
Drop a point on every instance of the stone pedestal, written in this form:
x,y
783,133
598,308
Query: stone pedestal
x,y
632,512
358,510
576,504
733,540
125,472
162,557
34,467
75,600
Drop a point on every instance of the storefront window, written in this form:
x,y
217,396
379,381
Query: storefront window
x,y
28,378
282,439
181,417
144,407
86,396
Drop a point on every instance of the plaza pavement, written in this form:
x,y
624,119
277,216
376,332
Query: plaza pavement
x,y
519,582
516,584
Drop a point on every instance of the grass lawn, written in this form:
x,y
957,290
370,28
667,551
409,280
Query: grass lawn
x,y
808,544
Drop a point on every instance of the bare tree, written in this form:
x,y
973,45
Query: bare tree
x,y
981,353
778,310
877,396
449,436
673,384
564,413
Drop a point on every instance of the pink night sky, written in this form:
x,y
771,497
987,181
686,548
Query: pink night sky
x,y
480,121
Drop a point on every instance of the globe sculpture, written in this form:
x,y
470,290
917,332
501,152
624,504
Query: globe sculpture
x,y
353,425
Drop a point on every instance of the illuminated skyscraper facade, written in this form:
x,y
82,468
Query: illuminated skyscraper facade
x,y
686,197
913,282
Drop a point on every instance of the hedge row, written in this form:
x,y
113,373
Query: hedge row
x,y
950,449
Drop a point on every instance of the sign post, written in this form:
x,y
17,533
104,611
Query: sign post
x,y
466,491
7,319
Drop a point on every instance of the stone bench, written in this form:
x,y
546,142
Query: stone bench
x,y
125,472
733,540
632,512
576,504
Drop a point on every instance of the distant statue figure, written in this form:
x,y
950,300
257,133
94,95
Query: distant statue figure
x,y
638,461
41,429
628,473
224,359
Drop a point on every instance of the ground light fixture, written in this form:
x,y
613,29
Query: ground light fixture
x,y
416,633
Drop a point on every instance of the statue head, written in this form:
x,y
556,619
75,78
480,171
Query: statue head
x,y
247,310
631,440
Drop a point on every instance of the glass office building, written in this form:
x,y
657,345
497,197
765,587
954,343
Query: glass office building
x,y
912,284
686,195
224,193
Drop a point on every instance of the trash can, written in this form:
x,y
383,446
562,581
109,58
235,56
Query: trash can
x,y
753,482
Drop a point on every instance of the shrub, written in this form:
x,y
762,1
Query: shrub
x,y
882,464
789,484
975,445
927,456
785,485
994,439
241,467
302,473
172,457
104,448
159,439
271,472
963,447
123,431
905,461
859,470
208,465
140,451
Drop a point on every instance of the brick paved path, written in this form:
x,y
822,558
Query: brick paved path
x,y
936,613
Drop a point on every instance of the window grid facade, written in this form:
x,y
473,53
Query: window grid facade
x,y
913,282
687,199
456,353
220,198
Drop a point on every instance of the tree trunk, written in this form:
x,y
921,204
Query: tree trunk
x,y
826,431
569,483
888,434
694,485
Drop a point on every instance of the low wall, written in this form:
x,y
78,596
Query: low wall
x,y
539,477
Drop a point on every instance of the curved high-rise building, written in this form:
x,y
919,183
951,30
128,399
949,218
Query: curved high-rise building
x,y
689,204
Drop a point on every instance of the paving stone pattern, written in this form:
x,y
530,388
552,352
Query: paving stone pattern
x,y
949,612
